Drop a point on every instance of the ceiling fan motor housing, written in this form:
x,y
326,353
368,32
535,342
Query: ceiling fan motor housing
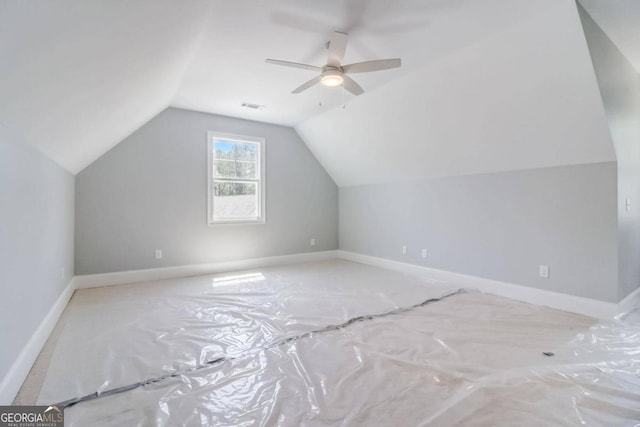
x,y
332,77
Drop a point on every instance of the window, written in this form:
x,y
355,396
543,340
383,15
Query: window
x,y
236,179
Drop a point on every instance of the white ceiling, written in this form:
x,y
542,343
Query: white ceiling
x,y
524,98
229,67
80,75
620,19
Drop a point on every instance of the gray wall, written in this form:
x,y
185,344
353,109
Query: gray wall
x,y
150,192
500,226
620,90
36,242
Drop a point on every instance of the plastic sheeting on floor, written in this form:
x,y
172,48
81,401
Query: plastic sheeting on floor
x,y
468,359
121,335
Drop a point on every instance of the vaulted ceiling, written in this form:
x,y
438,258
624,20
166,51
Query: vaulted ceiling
x,y
620,19
526,97
78,76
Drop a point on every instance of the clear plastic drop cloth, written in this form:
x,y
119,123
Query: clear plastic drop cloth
x,y
121,335
471,359
459,359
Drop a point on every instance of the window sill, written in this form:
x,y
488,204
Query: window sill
x,y
237,222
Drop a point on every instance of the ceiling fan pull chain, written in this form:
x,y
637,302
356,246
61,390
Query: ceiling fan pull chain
x,y
344,105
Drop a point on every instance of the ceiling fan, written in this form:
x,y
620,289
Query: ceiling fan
x,y
334,73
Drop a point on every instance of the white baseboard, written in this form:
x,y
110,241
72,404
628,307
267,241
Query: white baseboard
x,y
13,380
16,375
574,304
629,303
135,276
11,383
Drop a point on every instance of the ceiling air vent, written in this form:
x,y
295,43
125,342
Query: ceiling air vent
x,y
253,106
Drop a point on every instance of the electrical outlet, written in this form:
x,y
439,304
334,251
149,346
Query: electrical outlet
x,y
313,241
158,253
627,204
544,271
424,253
404,250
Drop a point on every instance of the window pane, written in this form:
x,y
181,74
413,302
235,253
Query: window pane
x,y
224,150
246,170
235,160
246,151
235,150
234,169
224,169
235,200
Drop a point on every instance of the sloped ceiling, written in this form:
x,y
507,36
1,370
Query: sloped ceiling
x,y
78,76
620,19
524,98
229,67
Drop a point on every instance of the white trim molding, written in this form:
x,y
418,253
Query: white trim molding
x,y
575,304
13,380
629,303
16,375
260,180
135,276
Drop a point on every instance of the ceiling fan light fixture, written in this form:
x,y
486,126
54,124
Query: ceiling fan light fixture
x,y
335,74
332,78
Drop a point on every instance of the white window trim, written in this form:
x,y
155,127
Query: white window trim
x,y
261,173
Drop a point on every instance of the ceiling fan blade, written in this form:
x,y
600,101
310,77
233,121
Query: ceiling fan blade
x,y
352,86
367,66
307,85
293,64
337,48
